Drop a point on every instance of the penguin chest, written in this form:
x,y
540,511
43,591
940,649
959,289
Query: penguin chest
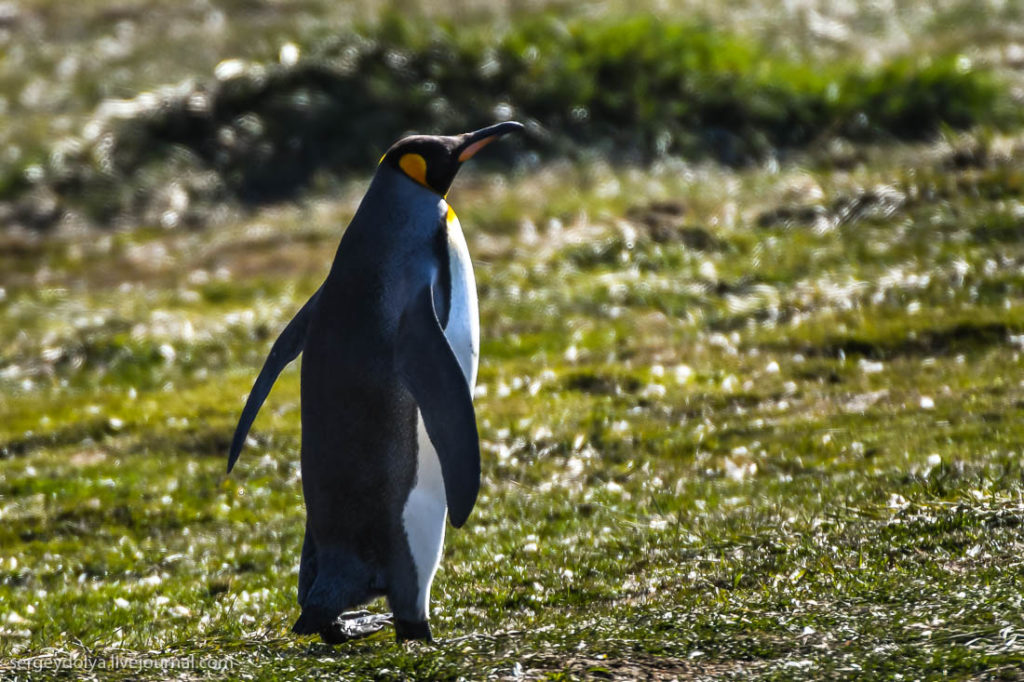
x,y
425,509
463,330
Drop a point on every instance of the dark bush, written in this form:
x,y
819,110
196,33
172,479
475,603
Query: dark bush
x,y
632,90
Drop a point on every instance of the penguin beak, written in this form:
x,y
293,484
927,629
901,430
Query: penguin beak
x,y
477,140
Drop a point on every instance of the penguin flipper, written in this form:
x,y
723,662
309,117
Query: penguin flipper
x,y
427,367
285,349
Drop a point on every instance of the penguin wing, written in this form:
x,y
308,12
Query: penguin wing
x,y
287,347
427,367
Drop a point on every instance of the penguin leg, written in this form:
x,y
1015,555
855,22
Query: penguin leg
x,y
416,551
307,566
409,601
338,581
406,630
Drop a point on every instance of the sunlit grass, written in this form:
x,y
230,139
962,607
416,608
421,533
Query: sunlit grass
x,y
761,420
734,422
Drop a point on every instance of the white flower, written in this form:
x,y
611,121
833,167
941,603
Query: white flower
x,y
288,55
868,367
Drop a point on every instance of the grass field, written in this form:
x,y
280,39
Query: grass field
x,y
761,420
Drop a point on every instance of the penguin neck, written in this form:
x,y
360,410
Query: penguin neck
x,y
395,214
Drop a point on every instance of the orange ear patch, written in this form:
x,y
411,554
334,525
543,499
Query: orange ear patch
x,y
415,166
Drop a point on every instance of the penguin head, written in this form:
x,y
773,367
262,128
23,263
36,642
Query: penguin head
x,y
433,160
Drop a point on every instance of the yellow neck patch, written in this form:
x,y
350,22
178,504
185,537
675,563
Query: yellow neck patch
x,y
451,215
415,166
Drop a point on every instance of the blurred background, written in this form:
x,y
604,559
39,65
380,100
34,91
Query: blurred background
x,y
160,114
751,301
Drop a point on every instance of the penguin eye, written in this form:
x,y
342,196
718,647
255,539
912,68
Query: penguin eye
x,y
415,166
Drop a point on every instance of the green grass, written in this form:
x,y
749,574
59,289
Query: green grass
x,y
757,420
765,424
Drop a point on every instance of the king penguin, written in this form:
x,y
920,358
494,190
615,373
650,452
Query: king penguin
x,y
390,345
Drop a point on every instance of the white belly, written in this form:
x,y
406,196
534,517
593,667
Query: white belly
x,y
425,510
424,515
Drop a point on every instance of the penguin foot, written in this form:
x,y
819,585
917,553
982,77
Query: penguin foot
x,y
345,627
412,629
354,625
